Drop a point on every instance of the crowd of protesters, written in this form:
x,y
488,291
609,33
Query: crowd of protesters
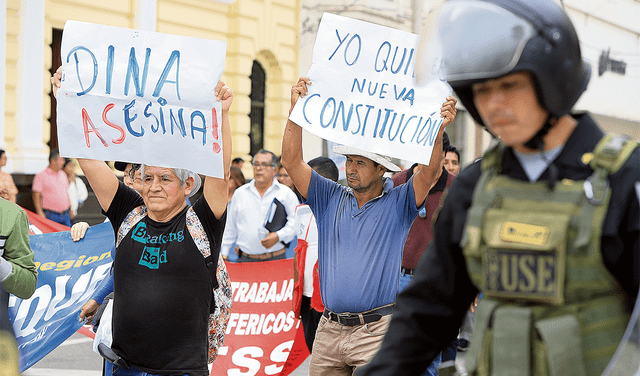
x,y
399,296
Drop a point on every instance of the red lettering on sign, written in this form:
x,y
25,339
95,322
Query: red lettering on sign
x,y
214,131
112,125
86,121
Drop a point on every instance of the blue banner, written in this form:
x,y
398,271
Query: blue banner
x,y
69,273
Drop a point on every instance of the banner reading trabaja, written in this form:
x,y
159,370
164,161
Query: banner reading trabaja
x,y
69,273
140,96
262,328
363,93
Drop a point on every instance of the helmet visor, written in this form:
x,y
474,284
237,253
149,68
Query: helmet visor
x,y
480,40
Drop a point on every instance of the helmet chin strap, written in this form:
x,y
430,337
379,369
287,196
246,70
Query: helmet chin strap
x,y
537,143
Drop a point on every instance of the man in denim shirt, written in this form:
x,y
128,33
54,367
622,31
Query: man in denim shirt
x,y
361,233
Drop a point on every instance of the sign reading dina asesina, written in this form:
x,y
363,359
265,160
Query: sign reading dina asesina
x,y
140,96
363,92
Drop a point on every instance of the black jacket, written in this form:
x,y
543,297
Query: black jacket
x,y
430,310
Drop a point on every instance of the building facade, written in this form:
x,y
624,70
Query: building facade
x,y
261,63
269,45
610,39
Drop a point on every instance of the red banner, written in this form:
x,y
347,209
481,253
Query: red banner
x,y
41,225
263,335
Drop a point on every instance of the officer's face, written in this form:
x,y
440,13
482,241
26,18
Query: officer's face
x,y
510,109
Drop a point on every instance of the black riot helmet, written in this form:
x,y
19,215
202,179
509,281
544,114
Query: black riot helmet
x,y
487,39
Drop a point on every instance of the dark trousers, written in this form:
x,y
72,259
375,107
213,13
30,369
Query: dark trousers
x,y
310,319
63,218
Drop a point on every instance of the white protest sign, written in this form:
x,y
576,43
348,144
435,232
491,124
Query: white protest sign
x,y
141,97
363,93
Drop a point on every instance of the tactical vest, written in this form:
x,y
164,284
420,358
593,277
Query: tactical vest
x,y
549,306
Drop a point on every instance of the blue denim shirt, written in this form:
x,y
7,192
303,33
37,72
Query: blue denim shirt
x,y
360,249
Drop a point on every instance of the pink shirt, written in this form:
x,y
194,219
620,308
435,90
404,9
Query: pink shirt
x,y
54,188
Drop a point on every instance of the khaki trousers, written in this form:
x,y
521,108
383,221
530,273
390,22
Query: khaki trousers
x,y
340,350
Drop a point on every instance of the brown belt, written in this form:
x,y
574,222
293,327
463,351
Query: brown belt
x,y
263,256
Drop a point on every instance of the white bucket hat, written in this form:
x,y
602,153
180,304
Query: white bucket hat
x,y
380,159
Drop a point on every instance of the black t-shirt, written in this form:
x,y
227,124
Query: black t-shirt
x,y
163,289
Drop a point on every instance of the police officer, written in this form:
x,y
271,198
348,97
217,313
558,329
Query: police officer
x,y
545,225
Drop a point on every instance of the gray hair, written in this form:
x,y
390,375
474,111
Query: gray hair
x,y
183,175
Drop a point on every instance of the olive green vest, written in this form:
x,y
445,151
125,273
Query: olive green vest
x,y
549,306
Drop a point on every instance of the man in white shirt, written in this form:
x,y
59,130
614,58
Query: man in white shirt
x,y
248,210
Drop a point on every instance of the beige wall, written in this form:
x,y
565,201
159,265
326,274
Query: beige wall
x,y
265,31
11,75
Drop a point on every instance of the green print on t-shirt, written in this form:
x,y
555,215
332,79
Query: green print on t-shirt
x,y
152,257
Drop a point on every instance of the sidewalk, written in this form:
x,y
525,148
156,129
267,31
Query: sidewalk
x,y
303,370
75,357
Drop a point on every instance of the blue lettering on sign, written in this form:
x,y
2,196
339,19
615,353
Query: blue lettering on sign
x,y
137,116
128,119
389,124
304,112
135,125
406,125
203,129
345,122
74,51
110,52
384,54
388,112
358,40
132,72
147,114
331,104
179,123
174,58
359,86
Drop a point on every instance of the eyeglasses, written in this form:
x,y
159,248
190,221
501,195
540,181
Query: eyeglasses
x,y
261,165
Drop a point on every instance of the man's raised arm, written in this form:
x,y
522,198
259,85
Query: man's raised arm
x,y
102,180
215,190
427,175
292,159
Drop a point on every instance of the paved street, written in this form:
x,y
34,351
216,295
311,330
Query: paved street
x,y
75,357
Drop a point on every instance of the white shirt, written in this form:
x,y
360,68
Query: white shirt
x,y
246,217
77,194
307,229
